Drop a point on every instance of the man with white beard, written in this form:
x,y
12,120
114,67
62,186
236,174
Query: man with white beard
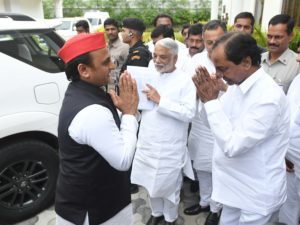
x,y
161,153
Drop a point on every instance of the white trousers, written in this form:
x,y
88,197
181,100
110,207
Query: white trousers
x,y
162,206
290,211
235,216
124,217
205,186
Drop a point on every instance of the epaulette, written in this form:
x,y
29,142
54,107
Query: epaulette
x,y
137,57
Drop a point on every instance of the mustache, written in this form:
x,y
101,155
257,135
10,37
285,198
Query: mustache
x,y
273,45
194,48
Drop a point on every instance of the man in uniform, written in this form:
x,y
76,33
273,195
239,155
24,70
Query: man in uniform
x,y
139,55
280,61
132,34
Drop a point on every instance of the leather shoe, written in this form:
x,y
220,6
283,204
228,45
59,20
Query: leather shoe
x,y
169,223
155,220
212,219
196,209
134,189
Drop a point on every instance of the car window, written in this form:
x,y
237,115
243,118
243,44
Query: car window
x,y
37,48
65,25
93,21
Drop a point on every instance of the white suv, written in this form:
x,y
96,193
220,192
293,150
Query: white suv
x,y
33,84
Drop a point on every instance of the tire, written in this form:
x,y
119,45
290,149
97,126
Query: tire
x,y
28,174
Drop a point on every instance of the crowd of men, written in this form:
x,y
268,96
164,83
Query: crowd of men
x,y
226,114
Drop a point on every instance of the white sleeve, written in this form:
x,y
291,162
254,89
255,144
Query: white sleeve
x,y
255,126
183,108
96,127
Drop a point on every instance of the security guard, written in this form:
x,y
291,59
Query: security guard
x,y
132,34
139,55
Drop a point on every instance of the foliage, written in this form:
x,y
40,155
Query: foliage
x,y
72,8
260,36
146,10
48,9
295,40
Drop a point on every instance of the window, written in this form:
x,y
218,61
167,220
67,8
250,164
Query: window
x,y
292,8
37,48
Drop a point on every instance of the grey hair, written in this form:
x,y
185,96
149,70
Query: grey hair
x,y
168,43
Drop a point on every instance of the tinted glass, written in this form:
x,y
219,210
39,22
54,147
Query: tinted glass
x,y
38,48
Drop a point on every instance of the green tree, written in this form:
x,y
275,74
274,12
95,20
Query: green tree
x,y
48,7
72,8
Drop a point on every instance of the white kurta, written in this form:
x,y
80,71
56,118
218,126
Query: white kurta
x,y
250,124
293,153
95,126
161,149
201,141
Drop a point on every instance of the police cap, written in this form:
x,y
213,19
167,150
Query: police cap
x,y
134,24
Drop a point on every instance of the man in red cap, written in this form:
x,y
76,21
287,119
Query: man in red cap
x,y
96,146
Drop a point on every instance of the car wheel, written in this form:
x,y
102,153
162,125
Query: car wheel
x,y
28,174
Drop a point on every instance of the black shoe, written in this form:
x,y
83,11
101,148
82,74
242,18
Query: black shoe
x,y
155,220
194,186
196,209
169,223
212,219
134,189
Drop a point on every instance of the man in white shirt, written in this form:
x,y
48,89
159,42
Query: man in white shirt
x,y
96,147
290,211
166,20
183,60
280,61
195,40
201,141
250,124
161,153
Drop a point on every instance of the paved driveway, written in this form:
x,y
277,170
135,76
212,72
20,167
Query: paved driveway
x,y
140,208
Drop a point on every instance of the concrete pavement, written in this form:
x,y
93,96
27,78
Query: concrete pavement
x,y
141,210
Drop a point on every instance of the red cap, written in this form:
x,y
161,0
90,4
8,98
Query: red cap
x,y
80,44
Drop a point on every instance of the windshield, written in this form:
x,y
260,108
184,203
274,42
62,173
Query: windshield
x,y
66,25
93,21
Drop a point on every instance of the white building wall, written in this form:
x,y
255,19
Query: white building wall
x,y
234,7
33,8
214,10
271,8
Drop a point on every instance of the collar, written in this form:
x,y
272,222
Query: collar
x,y
137,44
251,80
115,43
283,58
